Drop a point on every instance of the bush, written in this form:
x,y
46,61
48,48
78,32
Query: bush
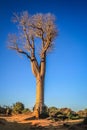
x,y
6,110
18,107
52,111
26,110
44,114
73,115
66,111
2,110
55,114
85,121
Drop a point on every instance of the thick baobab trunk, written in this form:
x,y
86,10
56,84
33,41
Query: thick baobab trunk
x,y
39,94
39,73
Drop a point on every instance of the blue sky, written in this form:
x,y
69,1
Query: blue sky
x,y
66,73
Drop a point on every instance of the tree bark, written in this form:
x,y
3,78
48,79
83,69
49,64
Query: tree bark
x,y
39,94
39,73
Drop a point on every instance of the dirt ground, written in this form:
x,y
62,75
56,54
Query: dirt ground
x,y
27,122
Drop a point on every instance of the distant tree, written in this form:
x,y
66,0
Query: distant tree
x,y
36,31
18,107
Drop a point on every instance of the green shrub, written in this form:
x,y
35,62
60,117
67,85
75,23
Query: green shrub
x,y
26,110
6,110
44,114
52,111
66,111
73,115
18,107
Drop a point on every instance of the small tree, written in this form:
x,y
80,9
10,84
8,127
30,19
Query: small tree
x,y
18,107
36,31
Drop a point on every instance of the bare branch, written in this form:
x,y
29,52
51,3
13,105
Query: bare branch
x,y
20,51
26,35
33,46
36,27
41,27
15,18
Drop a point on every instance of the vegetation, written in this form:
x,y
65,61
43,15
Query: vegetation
x,y
63,114
18,107
26,110
5,110
45,113
82,113
85,121
53,113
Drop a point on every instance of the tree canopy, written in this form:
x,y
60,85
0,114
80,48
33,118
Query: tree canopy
x,y
32,27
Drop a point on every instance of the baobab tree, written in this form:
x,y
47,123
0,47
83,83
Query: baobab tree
x,y
35,31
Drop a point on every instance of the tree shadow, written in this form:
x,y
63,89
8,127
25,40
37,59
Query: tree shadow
x,y
30,118
6,125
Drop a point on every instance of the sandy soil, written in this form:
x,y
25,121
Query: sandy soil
x,y
27,122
